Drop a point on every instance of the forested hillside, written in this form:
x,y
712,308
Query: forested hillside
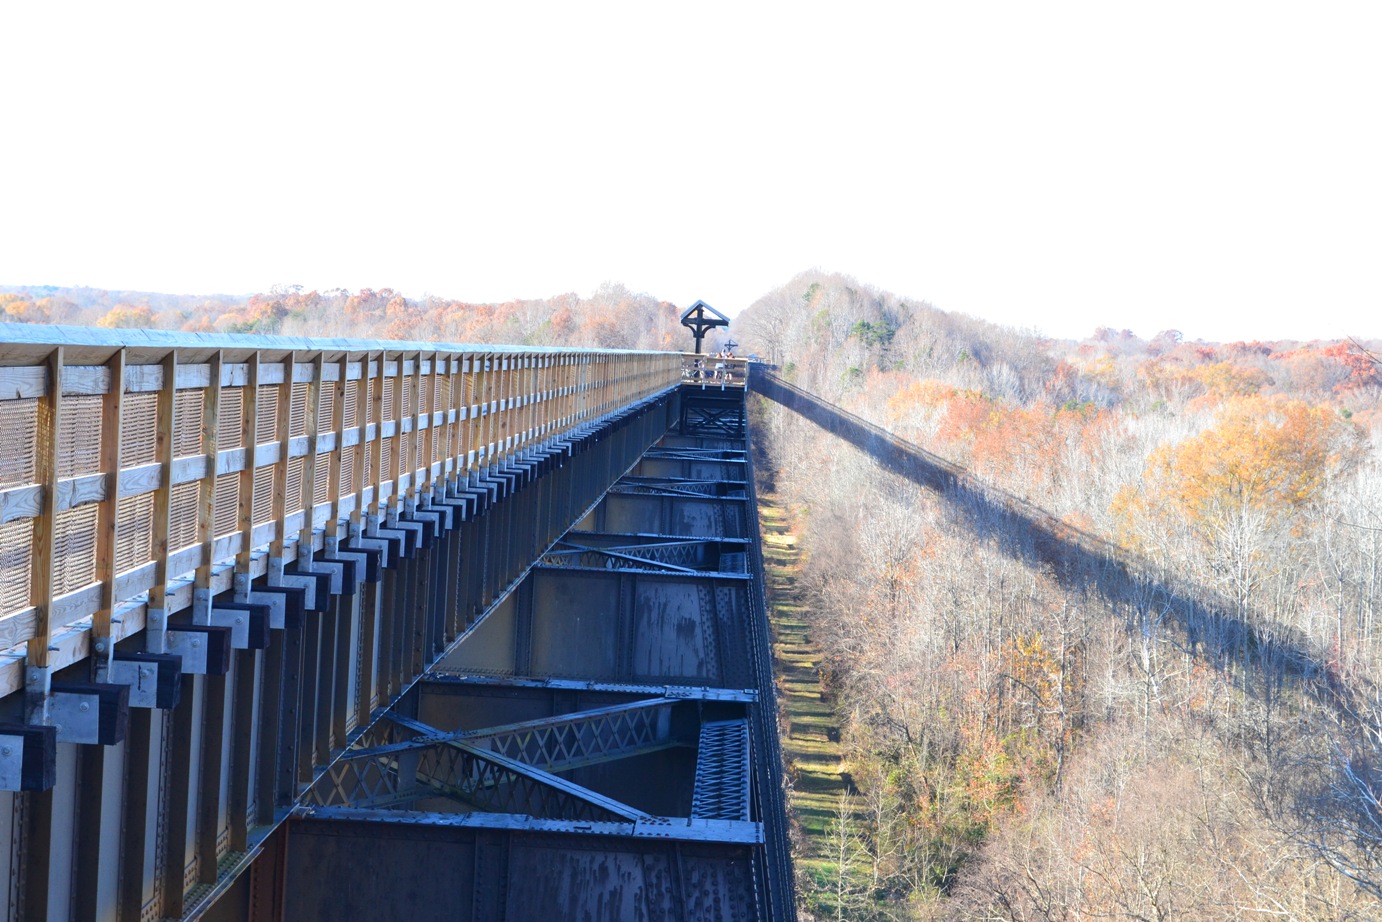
x,y
612,318
1191,731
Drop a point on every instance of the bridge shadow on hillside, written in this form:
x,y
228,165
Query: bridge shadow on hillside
x,y
1262,655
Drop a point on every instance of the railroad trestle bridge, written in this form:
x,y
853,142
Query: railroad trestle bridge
x,y
311,629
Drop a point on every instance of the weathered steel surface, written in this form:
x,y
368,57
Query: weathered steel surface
x,y
616,626
424,867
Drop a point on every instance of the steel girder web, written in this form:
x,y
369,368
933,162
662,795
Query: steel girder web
x,y
686,555
680,486
730,455
506,768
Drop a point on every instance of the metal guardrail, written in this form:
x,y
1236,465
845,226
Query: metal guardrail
x,y
717,371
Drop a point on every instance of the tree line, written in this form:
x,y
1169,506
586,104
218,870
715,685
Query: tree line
x,y
612,317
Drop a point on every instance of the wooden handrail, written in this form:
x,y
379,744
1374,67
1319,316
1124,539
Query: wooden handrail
x,y
426,413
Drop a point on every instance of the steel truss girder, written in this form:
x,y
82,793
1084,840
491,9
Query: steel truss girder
x,y
583,738
498,784
681,486
677,555
731,455
679,692
565,741
388,773
722,771
396,775
626,489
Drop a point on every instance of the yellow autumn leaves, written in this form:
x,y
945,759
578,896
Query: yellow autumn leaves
x,y
1264,456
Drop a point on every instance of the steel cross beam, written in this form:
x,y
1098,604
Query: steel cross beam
x,y
380,775
392,776
616,558
498,784
691,555
565,741
633,489
677,486
696,454
679,692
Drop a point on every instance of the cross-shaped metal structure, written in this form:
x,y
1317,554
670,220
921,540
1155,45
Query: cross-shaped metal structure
x,y
701,317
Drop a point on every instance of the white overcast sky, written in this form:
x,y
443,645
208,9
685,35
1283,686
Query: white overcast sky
x,y
1211,167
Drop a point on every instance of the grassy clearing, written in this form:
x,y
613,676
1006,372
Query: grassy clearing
x,y
815,761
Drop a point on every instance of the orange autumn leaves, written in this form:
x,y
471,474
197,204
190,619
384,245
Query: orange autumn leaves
x,y
1268,457
1025,449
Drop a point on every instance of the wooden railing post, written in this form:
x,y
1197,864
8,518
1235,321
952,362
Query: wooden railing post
x,y
37,675
107,517
308,490
156,630
389,473
206,494
279,502
363,404
249,439
334,460
413,441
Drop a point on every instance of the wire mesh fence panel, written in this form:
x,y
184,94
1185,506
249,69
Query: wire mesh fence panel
x,y
138,429
182,518
16,563
133,530
230,419
297,410
74,548
19,423
226,519
293,488
266,414
321,486
263,495
348,469
187,423
79,435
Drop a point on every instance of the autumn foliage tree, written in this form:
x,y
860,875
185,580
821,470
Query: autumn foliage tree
x,y
1240,486
128,316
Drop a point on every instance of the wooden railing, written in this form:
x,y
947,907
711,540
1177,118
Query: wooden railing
x,y
138,467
